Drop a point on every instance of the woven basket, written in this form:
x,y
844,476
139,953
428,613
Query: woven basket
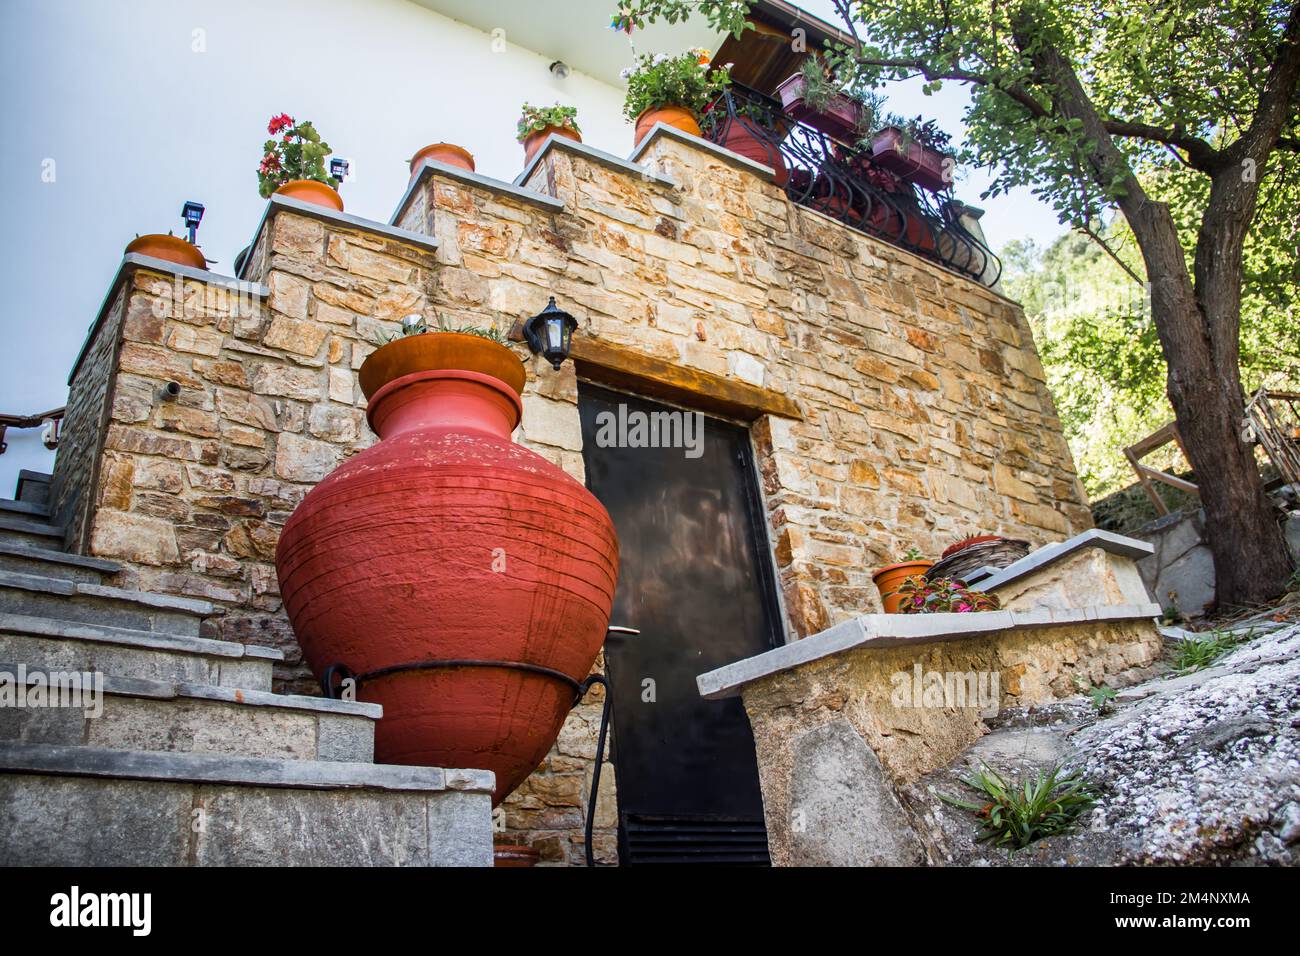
x,y
984,554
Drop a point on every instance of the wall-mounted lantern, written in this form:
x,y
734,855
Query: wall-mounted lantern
x,y
338,170
550,333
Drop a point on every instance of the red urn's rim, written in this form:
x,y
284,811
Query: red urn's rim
x,y
440,351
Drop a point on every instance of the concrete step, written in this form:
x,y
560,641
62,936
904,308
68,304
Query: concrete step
x,y
27,509
76,708
124,652
39,595
26,559
33,487
86,806
28,529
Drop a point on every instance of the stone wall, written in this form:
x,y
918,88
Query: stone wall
x,y
923,414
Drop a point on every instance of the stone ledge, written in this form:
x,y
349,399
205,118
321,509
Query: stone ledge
x,y
51,556
277,204
659,130
240,771
431,167
65,588
169,690
132,262
1050,554
898,630
617,163
130,637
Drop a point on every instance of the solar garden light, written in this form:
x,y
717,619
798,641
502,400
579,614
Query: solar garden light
x,y
192,214
338,170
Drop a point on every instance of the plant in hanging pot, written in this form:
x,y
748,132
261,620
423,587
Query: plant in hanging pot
x,y
917,151
170,248
891,577
536,123
448,154
672,90
811,96
293,164
463,581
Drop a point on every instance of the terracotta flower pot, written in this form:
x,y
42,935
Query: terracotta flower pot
x,y
447,153
534,141
309,190
889,578
912,161
755,142
457,557
171,248
840,118
514,855
678,116
967,542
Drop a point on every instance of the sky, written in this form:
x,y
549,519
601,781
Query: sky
x,y
115,112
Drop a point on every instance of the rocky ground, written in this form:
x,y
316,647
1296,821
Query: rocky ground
x,y
1202,768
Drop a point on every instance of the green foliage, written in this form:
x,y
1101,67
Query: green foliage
x,y
482,331
914,554
534,119
1195,654
295,152
1016,814
942,596
659,80
1103,697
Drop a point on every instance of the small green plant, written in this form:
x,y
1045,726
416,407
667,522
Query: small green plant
x,y
1103,697
942,596
659,80
534,119
914,554
1195,654
294,152
1016,814
421,327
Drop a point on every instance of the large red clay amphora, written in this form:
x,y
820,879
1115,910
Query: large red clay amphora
x,y
465,581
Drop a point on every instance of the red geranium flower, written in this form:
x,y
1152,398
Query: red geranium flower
x,y
283,121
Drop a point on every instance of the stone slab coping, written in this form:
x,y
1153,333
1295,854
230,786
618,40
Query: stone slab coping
x,y
39,512
50,556
278,203
28,525
618,163
175,690
166,767
133,261
903,630
130,637
431,167
1108,541
721,152
65,588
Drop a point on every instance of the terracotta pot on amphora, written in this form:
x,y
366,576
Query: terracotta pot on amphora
x,y
464,580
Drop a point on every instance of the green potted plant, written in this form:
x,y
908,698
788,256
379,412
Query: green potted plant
x,y
942,596
671,89
891,577
811,96
536,123
293,164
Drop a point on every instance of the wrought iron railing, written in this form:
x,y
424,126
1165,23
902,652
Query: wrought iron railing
x,y
842,181
51,421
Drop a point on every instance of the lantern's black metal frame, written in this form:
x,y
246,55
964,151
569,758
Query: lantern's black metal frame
x,y
535,338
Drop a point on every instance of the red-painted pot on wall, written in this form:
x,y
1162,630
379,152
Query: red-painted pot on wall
x,y
448,547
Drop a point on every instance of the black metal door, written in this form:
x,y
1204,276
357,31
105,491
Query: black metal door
x,y
696,578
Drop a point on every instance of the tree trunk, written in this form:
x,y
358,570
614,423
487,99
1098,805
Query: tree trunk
x,y
1198,329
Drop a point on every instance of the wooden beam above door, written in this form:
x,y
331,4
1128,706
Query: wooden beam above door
x,y
623,368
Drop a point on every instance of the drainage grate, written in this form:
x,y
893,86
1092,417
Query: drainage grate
x,y
649,839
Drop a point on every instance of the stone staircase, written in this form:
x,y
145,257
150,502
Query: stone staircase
x,y
184,756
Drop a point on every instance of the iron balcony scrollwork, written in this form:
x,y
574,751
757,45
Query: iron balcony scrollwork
x,y
842,181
